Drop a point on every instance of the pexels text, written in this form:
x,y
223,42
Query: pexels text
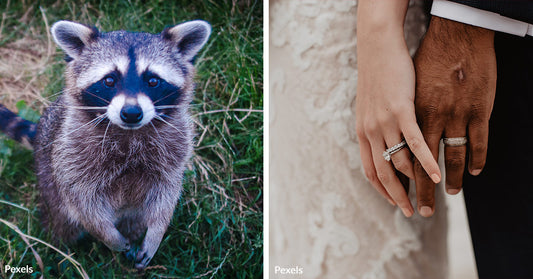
x,y
16,269
288,270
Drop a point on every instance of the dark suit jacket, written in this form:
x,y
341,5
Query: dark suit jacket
x,y
516,9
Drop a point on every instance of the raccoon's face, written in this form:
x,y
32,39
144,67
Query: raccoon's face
x,y
135,87
134,76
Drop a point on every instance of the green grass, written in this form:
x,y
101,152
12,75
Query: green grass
x,y
217,229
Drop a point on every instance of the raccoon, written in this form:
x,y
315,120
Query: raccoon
x,y
110,152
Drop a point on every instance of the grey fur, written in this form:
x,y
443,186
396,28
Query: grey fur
x,y
127,184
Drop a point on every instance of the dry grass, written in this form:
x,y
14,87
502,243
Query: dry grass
x,y
22,66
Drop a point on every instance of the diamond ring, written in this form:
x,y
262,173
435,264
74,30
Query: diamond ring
x,y
388,153
460,141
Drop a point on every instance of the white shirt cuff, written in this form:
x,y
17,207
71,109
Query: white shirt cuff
x,y
481,18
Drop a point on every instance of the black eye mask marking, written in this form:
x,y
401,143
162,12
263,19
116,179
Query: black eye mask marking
x,y
100,93
161,93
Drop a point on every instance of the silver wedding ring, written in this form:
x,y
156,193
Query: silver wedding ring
x,y
460,141
388,153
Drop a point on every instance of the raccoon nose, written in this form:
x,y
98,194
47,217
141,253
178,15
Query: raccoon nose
x,y
131,114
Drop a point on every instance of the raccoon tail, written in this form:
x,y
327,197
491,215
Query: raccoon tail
x,y
17,128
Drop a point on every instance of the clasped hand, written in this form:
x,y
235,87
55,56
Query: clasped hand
x,y
447,93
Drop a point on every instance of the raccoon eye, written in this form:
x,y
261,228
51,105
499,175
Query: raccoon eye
x,y
109,81
153,82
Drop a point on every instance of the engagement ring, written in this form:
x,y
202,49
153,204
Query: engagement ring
x,y
388,153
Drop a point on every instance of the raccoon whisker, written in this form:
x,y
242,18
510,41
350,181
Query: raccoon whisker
x,y
59,93
99,121
81,107
158,117
155,129
105,133
166,96
73,131
166,116
168,106
106,101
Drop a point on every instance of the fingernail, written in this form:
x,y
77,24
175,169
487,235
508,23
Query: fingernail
x,y
407,212
453,191
391,202
426,211
435,177
476,172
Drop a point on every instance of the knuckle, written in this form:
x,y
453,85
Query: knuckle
x,y
418,168
478,147
478,109
372,177
384,119
402,166
426,110
479,120
414,143
455,163
383,177
371,128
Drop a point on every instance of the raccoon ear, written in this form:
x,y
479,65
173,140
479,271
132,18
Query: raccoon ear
x,y
189,37
72,37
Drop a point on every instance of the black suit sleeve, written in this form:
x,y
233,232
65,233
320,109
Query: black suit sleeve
x,y
516,9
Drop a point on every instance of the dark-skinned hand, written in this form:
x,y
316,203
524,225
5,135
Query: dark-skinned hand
x,y
455,88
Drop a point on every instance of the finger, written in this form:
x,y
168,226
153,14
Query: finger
x,y
425,186
404,180
389,180
454,156
401,159
478,132
455,161
417,144
370,169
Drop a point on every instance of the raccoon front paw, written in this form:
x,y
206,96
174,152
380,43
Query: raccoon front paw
x,y
126,247
120,246
142,260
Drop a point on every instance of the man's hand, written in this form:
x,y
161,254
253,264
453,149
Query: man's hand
x,y
455,88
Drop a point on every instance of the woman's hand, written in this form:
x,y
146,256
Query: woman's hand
x,y
385,111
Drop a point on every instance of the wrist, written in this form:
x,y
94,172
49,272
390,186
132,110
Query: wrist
x,y
380,48
380,22
457,32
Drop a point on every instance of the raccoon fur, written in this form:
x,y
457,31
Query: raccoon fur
x,y
110,152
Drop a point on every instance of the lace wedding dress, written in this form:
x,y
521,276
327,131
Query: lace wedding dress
x,y
325,218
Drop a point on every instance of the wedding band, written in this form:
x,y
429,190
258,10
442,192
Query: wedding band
x,y
388,153
460,141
